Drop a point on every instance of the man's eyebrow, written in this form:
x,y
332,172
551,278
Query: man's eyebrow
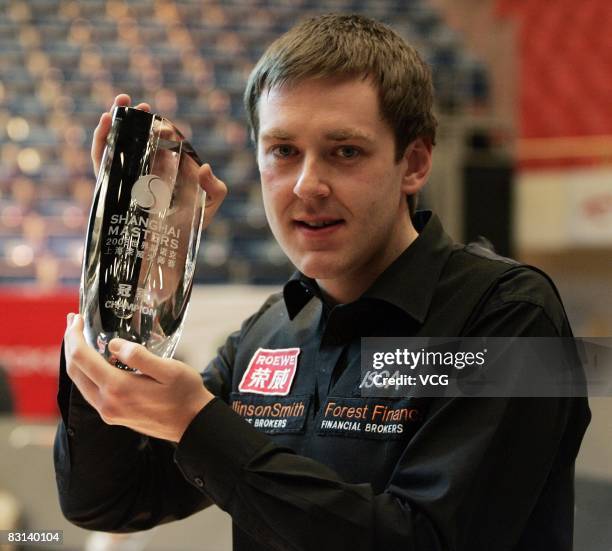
x,y
343,134
277,134
339,135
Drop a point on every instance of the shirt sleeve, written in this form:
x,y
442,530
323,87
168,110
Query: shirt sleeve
x,y
469,479
114,479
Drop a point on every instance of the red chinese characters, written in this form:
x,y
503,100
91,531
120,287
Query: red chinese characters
x,y
270,371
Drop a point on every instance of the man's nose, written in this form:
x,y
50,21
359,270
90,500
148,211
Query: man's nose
x,y
311,182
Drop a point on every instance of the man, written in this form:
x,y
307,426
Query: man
x,y
340,109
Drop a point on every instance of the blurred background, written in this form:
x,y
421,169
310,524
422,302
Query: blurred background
x,y
524,159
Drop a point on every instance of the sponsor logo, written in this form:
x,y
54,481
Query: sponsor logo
x,y
272,415
368,418
270,371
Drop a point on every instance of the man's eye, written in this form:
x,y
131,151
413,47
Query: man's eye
x,y
283,151
348,152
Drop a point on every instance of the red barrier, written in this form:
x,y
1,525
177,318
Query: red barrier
x,y
31,328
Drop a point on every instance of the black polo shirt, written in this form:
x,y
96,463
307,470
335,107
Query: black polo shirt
x,y
301,460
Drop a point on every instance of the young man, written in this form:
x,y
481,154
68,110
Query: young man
x,y
340,109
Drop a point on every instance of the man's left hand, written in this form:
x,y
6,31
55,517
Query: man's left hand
x,y
160,401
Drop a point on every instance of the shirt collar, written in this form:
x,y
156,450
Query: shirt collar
x,y
298,291
408,283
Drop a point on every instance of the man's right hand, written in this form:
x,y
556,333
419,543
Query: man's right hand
x,y
215,189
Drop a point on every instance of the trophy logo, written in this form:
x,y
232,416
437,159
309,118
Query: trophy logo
x,y
152,194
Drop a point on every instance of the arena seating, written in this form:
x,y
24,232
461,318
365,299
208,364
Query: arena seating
x,y
62,63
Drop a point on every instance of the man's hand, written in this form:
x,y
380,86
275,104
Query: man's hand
x,y
215,189
160,401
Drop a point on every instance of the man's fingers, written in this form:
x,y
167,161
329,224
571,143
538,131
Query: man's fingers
x,y
144,106
86,387
101,131
215,190
80,356
99,141
138,357
122,100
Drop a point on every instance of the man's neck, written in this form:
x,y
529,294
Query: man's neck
x,y
354,284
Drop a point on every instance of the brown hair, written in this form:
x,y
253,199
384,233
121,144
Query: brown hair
x,y
334,45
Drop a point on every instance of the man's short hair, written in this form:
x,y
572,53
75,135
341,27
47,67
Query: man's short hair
x,y
336,45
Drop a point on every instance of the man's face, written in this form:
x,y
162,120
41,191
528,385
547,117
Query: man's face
x,y
332,189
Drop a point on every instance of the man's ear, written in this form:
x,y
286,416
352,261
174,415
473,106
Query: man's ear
x,y
418,165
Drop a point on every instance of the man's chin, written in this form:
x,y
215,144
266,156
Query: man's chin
x,y
315,266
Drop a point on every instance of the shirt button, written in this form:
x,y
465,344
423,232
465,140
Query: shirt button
x,y
70,432
199,482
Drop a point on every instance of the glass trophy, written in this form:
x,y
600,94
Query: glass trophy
x,y
143,236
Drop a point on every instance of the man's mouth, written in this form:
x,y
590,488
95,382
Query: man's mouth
x,y
318,224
